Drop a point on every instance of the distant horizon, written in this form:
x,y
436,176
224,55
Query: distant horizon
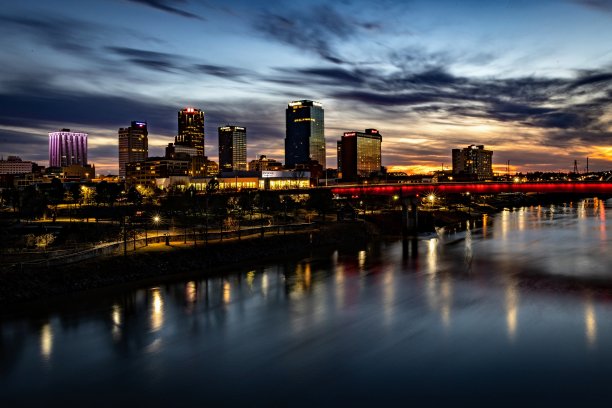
x,y
532,81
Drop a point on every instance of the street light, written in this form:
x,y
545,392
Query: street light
x,y
156,221
431,199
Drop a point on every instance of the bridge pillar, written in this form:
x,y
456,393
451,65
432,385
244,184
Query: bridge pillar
x,y
410,218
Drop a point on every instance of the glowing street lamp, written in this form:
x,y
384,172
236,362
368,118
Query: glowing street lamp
x,y
156,221
431,199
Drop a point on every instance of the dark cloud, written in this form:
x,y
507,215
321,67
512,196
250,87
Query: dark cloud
x,y
601,5
380,99
169,6
62,34
156,61
159,61
38,105
221,71
590,78
323,76
314,29
23,144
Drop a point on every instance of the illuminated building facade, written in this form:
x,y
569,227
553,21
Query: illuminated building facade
x,y
305,138
473,162
191,129
232,148
145,173
67,148
14,165
133,145
263,163
359,154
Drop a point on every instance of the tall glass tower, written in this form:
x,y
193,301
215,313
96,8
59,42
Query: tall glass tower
x,y
191,129
67,148
359,154
232,148
305,138
133,145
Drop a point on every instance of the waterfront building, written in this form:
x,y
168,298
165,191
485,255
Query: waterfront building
x,y
305,139
359,154
232,148
266,180
67,148
191,129
473,163
133,145
14,165
263,163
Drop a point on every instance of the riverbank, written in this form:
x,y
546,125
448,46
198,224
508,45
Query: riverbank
x,y
159,261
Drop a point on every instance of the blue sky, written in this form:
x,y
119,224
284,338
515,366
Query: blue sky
x,y
531,80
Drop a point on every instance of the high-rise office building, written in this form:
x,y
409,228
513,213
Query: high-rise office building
x,y
305,138
359,154
232,148
473,162
67,148
191,129
133,145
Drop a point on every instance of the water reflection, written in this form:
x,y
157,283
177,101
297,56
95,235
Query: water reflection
x,y
157,310
512,305
46,341
590,321
116,319
345,317
227,292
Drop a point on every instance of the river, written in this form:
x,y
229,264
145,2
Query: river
x,y
517,309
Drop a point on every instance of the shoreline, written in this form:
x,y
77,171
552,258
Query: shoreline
x,y
159,263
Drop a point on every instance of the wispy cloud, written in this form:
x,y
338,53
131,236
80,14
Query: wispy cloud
x,y
314,29
169,6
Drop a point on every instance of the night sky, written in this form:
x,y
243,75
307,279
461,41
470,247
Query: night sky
x,y
531,80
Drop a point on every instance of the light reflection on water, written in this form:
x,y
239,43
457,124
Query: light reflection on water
x,y
506,306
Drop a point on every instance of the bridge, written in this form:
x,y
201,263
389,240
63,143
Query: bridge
x,y
415,189
408,194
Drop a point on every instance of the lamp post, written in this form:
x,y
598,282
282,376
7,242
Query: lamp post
x,y
156,220
431,199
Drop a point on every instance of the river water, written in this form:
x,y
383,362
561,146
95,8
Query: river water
x,y
516,309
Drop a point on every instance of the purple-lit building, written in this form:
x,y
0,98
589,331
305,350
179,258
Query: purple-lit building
x,y
67,148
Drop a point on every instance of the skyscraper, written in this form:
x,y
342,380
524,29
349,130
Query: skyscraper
x,y
133,145
232,148
359,154
191,129
67,148
305,138
473,162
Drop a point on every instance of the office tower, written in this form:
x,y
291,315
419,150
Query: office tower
x,y
191,129
232,148
305,139
133,145
67,148
359,154
473,162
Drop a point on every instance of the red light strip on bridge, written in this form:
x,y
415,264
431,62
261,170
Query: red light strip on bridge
x,y
476,188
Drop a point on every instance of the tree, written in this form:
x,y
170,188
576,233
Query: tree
x,y
321,201
32,203
133,196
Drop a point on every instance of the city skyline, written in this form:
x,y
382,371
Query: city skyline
x,y
532,82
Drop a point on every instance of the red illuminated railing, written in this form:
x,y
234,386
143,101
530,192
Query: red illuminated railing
x,y
475,188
